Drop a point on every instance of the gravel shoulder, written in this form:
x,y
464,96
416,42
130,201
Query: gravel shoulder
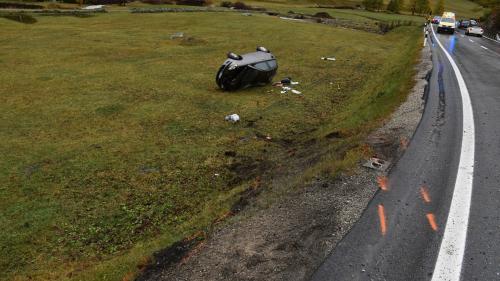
x,y
290,238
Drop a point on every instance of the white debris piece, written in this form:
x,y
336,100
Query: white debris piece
x,y
177,35
93,7
296,92
233,118
328,58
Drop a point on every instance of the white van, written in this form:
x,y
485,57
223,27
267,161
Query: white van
x,y
447,23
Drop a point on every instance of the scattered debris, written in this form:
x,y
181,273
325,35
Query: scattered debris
x,y
233,118
328,58
286,84
247,14
177,35
377,164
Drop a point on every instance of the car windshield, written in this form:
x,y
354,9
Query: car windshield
x,y
473,22
447,20
465,22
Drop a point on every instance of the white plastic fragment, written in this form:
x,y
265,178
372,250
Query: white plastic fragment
x,y
93,7
177,35
328,58
233,118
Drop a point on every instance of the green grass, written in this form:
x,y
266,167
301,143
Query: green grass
x,y
462,8
112,133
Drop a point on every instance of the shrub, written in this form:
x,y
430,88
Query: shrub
x,y
194,2
226,4
394,6
106,2
241,6
324,15
19,6
157,2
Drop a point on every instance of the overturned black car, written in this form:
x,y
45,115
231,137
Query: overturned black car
x,y
242,71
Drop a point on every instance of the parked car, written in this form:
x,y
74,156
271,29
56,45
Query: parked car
x,y
474,30
436,20
242,71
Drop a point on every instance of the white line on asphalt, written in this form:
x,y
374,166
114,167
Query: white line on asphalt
x,y
461,35
484,47
471,40
486,37
451,253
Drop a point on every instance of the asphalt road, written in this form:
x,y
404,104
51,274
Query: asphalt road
x,y
416,204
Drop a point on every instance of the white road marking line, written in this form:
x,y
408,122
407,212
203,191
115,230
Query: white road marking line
x,y
461,35
484,47
471,40
451,253
486,37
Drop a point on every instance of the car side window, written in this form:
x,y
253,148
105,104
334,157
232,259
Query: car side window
x,y
265,65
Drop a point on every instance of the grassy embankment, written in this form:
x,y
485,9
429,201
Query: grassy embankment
x,y
463,8
112,133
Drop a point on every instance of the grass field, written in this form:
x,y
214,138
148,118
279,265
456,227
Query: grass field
x,y
113,138
462,8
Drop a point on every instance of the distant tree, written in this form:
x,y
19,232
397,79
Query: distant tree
x,y
394,6
439,8
423,7
373,5
412,6
369,4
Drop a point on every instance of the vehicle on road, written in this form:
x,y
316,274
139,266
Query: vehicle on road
x,y
436,19
467,23
474,30
464,24
447,23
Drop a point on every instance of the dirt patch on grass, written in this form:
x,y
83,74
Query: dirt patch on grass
x,y
291,238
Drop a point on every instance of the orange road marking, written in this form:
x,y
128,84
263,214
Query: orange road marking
x,y
382,183
432,221
381,215
425,194
404,143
